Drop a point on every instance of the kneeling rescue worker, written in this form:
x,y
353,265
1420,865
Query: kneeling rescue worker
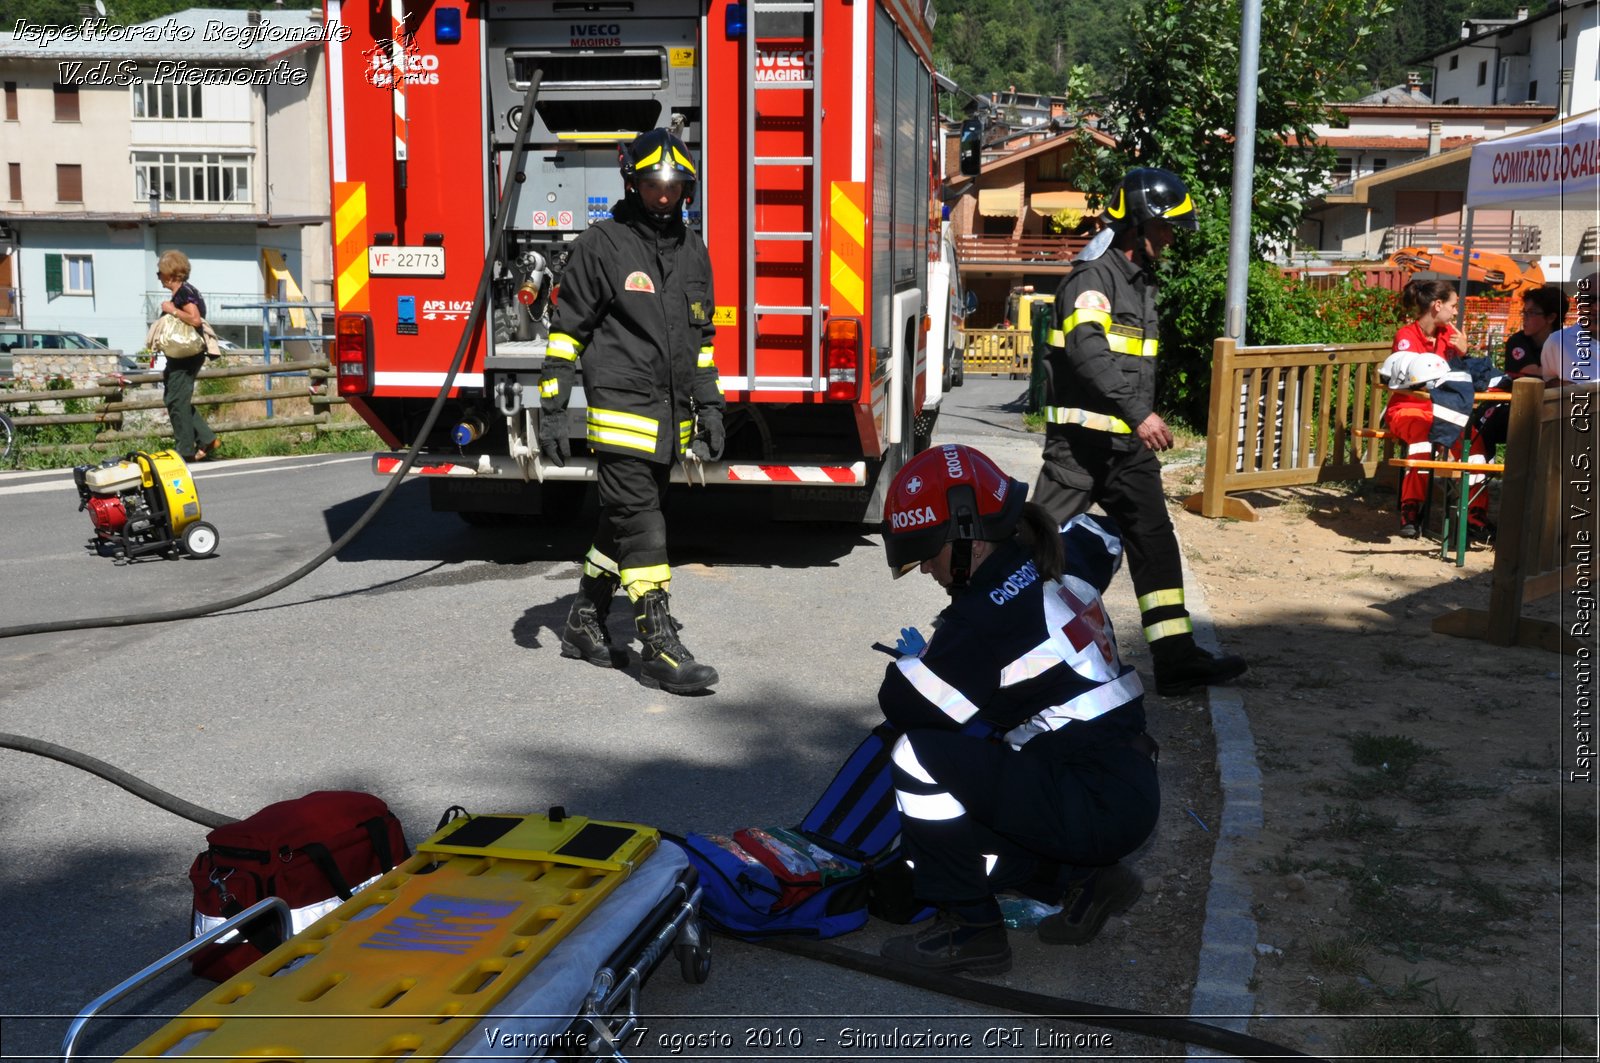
x,y
1066,784
635,306
1102,432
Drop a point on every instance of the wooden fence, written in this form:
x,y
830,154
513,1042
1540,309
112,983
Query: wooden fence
x,y
1287,416
1546,539
124,395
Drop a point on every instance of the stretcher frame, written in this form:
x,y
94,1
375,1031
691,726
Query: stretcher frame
x,y
609,1011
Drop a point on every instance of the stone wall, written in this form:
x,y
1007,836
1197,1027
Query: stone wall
x,y
83,368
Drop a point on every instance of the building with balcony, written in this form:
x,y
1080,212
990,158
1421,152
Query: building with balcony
x,y
1403,162
1020,220
204,131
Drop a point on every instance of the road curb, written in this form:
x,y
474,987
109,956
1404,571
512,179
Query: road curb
x,y
1228,939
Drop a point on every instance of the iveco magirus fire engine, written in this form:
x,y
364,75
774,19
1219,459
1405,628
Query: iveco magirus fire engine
x,y
815,128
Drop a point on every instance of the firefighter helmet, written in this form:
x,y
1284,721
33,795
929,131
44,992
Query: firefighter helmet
x,y
657,154
943,495
1147,193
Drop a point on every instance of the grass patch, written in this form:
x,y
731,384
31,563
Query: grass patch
x,y
1353,821
1342,955
1426,1036
1344,998
1562,832
1523,1033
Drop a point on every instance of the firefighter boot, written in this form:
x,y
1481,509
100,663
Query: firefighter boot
x,y
1181,666
667,664
962,937
586,637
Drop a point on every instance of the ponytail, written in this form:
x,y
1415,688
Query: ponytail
x,y
1038,531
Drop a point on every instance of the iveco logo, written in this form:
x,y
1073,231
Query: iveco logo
x,y
913,485
595,29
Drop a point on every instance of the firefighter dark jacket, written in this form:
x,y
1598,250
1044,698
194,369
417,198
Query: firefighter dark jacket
x,y
635,310
1102,352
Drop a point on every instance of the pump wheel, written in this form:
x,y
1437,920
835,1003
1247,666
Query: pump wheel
x,y
200,539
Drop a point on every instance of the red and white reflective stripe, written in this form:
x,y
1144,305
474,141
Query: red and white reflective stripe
x,y
385,466
812,474
398,74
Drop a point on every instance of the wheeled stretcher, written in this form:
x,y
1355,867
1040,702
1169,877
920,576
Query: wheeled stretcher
x,y
517,937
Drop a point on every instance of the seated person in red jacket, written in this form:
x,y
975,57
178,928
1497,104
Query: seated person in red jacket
x,y
1427,355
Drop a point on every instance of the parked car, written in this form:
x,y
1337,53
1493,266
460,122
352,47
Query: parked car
x,y
51,340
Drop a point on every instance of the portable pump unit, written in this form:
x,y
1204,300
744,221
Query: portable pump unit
x,y
144,504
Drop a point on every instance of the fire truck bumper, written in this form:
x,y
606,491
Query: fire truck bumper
x,y
582,469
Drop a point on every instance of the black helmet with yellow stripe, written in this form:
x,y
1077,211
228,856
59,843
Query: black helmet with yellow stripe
x,y
1147,193
657,154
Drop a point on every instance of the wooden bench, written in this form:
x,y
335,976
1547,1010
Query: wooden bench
x,y
1466,470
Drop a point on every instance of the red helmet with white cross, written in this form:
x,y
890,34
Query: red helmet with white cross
x,y
943,495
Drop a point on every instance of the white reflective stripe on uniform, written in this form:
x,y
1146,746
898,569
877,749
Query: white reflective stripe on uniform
x,y
1086,706
1035,662
989,860
707,358
946,698
905,758
1458,418
1422,449
1112,543
928,806
620,429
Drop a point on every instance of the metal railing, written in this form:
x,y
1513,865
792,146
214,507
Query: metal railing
x,y
1516,238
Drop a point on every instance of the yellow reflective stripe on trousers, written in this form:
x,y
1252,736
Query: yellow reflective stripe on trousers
x,y
1167,628
596,563
562,346
1100,422
657,575
630,430
707,358
944,697
1156,599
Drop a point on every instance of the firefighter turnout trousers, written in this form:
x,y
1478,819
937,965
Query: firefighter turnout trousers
x,y
630,543
979,816
1080,469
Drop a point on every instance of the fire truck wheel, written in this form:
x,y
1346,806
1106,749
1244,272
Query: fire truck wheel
x,y
200,539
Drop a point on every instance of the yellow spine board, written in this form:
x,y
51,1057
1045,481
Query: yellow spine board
x,y
183,500
407,967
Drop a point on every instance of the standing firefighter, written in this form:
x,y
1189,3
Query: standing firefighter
x,y
635,305
1103,431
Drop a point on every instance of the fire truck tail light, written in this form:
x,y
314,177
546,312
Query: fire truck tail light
x,y
353,353
841,357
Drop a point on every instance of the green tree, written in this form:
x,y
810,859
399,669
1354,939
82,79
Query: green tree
x,y
1174,104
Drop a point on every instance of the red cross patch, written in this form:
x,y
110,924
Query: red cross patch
x,y
1088,624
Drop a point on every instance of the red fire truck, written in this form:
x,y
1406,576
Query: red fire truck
x,y
816,129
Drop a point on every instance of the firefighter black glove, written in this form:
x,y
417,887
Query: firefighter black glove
x,y
554,446
709,437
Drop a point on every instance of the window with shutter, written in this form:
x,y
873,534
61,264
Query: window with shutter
x,y
66,102
52,276
69,183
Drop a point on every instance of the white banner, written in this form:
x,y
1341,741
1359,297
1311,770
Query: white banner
x,y
1551,168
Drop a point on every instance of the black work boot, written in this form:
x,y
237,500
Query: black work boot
x,y
1182,666
1089,902
966,937
667,664
586,637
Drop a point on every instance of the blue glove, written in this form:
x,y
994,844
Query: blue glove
x,y
910,643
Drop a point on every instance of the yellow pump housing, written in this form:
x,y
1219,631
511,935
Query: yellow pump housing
x,y
168,469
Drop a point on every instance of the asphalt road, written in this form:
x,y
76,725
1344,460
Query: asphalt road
x,y
422,664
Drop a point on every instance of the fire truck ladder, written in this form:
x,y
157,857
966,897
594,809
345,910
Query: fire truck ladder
x,y
754,163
